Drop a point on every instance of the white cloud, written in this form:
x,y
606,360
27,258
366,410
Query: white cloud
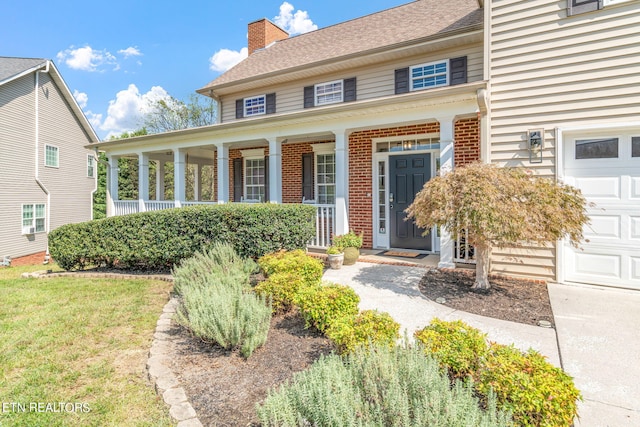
x,y
81,98
86,58
294,23
224,59
130,51
94,118
125,113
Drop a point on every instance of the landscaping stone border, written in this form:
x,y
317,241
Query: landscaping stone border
x,y
160,374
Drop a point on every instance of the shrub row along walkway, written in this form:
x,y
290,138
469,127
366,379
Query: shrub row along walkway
x,y
597,341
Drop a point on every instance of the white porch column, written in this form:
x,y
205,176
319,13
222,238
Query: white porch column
x,y
112,184
143,181
223,173
197,182
160,180
275,170
179,169
342,181
446,166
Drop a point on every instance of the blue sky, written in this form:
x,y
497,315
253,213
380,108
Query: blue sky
x,y
117,55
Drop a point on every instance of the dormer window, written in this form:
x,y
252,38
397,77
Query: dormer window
x,y
255,106
328,93
433,74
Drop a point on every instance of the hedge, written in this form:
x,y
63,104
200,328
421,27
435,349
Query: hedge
x,y
160,239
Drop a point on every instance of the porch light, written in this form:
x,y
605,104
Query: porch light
x,y
534,142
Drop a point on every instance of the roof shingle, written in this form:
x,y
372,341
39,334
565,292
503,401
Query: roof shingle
x,y
10,67
413,21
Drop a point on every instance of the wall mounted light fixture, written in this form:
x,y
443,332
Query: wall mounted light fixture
x,y
535,141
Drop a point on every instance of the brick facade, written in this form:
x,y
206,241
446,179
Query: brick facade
x,y
467,141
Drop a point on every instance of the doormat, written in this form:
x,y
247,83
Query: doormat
x,y
415,255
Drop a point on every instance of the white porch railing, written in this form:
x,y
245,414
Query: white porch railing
x,y
198,203
464,252
125,207
157,205
325,226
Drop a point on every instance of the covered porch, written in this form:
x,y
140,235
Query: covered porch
x,y
339,162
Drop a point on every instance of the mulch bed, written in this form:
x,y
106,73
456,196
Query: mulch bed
x,y
224,388
510,299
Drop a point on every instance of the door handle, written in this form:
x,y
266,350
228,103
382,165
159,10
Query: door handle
x,y
391,197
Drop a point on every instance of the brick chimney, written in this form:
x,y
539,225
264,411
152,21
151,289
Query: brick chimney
x,y
264,32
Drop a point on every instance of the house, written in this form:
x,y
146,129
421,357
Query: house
x,y
47,176
356,117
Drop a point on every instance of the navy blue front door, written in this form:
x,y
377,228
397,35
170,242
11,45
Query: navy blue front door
x,y
408,174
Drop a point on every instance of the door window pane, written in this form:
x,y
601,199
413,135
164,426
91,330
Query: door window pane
x,y
597,148
254,180
635,146
326,178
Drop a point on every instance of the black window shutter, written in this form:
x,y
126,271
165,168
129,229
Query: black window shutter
x,y
238,185
458,70
402,80
307,176
582,6
349,90
239,108
266,179
270,102
309,95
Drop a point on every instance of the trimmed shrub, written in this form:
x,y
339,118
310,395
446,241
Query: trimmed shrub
x,y
322,305
368,327
457,346
220,265
217,304
160,239
225,316
536,392
377,386
282,289
296,262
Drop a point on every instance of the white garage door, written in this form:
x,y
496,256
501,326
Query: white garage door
x,y
607,170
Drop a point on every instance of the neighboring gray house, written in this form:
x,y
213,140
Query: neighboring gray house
x,y
47,177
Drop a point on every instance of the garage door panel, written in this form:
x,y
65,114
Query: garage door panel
x,y
635,269
634,189
599,187
601,265
602,227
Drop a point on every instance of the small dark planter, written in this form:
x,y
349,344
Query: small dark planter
x,y
351,255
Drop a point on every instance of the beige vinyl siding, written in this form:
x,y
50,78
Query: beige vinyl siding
x,y
17,167
551,70
68,184
372,82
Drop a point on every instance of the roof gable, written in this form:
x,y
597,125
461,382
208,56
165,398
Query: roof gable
x,y
13,68
413,21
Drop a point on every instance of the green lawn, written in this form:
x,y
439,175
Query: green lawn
x,y
80,346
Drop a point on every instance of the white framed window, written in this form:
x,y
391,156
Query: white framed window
x,y
33,218
430,75
255,106
254,179
329,93
325,173
51,156
91,166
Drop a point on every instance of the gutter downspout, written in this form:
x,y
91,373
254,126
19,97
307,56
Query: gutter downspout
x,y
37,143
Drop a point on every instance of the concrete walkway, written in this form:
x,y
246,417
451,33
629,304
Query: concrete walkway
x,y
597,333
